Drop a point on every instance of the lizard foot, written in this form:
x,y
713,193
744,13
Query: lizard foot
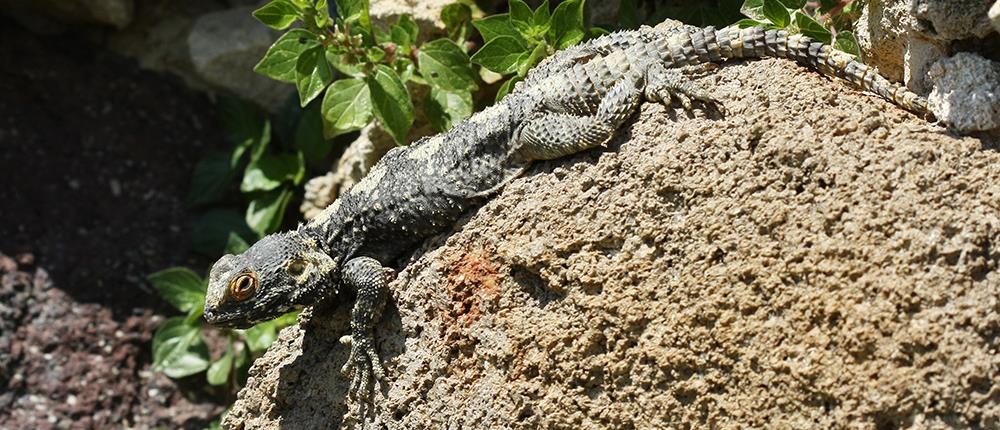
x,y
363,362
664,85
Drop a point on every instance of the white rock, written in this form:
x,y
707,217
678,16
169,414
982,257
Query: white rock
x,y
966,92
224,46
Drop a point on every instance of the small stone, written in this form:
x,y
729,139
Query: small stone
x,y
26,259
994,15
116,187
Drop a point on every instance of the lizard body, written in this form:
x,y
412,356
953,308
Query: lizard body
x,y
574,101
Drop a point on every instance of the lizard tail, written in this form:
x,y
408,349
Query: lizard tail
x,y
711,45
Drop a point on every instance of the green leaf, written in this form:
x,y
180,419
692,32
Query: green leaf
x,y
776,13
197,312
407,24
179,349
846,42
747,23
286,320
312,74
793,4
355,12
496,26
811,28
391,102
532,59
507,87
375,54
211,179
595,32
566,26
236,244
443,64
281,58
400,37
501,54
218,372
211,233
456,18
347,106
444,109
259,147
521,17
265,212
753,9
542,15
261,336
322,14
180,286
278,14
338,62
270,171
309,134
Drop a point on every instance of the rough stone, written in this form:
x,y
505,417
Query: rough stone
x,y
116,13
949,20
994,14
427,14
887,40
224,47
817,258
882,35
966,92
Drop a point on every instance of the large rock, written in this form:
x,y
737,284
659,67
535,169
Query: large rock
x,y
817,258
116,13
952,19
994,14
966,92
905,39
224,48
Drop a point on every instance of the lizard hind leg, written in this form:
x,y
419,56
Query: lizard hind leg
x,y
553,135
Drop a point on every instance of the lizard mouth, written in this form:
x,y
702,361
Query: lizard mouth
x,y
226,320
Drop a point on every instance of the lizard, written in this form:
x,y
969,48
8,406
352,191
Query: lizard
x,y
574,101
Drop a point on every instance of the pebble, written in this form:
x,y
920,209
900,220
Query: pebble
x,y
116,188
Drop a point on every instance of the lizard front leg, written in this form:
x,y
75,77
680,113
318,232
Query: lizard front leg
x,y
370,282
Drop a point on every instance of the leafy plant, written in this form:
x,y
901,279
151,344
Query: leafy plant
x,y
829,22
361,71
517,41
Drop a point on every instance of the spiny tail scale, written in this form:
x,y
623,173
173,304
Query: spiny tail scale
x,y
711,45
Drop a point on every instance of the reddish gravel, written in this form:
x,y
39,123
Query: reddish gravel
x,y
95,162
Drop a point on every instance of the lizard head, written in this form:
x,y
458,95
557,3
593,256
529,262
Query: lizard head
x,y
280,272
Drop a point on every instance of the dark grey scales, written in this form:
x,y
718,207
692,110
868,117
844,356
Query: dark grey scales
x,y
573,102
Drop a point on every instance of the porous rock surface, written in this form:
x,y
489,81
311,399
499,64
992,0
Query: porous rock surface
x,y
816,258
967,91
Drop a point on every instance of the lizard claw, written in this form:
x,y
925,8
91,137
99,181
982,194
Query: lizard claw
x,y
664,85
364,363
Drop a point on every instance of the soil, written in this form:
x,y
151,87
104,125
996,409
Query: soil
x,y
95,162
815,258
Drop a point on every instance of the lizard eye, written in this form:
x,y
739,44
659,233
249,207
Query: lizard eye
x,y
243,287
296,268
